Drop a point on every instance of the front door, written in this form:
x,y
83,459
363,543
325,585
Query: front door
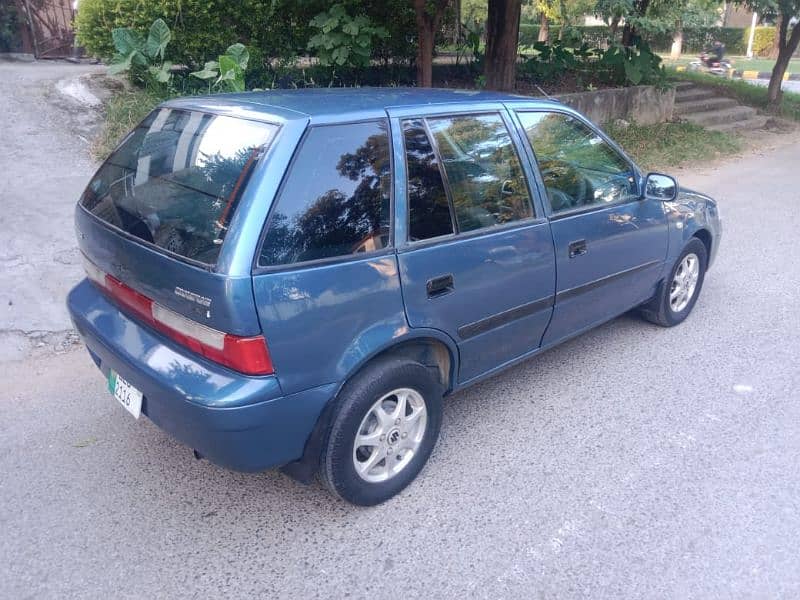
x,y
477,262
610,244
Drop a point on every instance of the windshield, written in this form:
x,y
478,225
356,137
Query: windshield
x,y
176,179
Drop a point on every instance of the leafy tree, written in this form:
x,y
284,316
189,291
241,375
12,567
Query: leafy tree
x,y
787,40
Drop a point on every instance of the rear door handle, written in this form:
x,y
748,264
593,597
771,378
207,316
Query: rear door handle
x,y
439,286
577,248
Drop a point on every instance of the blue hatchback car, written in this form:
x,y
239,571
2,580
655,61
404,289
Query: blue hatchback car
x,y
297,278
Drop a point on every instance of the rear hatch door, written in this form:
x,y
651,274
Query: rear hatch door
x,y
156,214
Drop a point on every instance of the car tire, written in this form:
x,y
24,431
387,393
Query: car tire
x,y
368,407
672,302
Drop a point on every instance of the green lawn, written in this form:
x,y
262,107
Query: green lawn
x,y
664,145
741,63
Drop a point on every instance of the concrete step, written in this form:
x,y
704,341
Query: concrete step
x,y
685,85
694,106
720,117
756,122
692,94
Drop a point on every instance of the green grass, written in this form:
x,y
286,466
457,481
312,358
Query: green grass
x,y
658,147
744,92
741,63
123,112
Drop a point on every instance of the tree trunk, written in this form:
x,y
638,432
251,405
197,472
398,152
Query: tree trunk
x,y
544,29
427,26
627,34
629,31
613,28
787,49
776,41
502,39
677,41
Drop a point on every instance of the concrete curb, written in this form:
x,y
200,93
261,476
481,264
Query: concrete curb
x,y
735,73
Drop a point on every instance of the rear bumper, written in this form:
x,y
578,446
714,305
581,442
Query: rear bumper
x,y
238,422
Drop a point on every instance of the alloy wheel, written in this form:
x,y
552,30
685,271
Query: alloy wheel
x,y
390,435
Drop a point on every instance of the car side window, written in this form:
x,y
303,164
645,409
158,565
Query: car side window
x,y
578,167
429,212
483,172
335,200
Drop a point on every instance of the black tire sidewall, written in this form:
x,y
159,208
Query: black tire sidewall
x,y
355,399
695,246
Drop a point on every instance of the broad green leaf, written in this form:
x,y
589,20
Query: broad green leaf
x,y
633,73
337,11
126,40
240,54
330,24
120,64
160,74
157,39
204,74
351,28
319,20
227,64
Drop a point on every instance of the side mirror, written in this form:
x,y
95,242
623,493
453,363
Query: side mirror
x,y
660,187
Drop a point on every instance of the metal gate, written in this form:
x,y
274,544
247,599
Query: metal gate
x,y
51,27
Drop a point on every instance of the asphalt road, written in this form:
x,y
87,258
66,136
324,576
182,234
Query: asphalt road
x,y
786,86
633,462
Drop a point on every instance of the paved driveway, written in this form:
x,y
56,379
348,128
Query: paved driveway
x,y
44,166
633,462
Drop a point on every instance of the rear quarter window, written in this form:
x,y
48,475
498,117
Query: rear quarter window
x,y
176,180
335,199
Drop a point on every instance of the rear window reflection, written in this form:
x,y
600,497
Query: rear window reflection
x,y
176,179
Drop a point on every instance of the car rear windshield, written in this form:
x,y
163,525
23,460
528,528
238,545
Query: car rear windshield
x,y
176,179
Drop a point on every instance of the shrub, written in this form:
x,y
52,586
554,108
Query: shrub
x,y
9,28
142,58
762,41
200,28
696,39
227,73
342,40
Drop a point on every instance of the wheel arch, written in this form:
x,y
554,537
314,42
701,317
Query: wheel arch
x,y
429,347
704,235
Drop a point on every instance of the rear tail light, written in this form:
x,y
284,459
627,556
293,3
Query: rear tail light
x,y
248,355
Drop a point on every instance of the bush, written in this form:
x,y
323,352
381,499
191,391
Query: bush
x,y
592,35
762,41
9,28
343,40
694,39
201,28
697,39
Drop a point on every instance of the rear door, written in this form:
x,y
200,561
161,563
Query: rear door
x,y
475,253
610,243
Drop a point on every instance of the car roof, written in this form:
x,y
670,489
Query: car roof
x,y
339,103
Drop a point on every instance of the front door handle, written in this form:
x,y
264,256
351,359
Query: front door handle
x,y
439,286
577,248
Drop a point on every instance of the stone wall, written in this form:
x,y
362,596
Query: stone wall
x,y
642,104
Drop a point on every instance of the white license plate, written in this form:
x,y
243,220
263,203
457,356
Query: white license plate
x,y
125,393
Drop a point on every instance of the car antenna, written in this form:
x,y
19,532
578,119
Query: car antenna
x,y
545,94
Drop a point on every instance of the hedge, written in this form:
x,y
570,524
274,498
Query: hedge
x,y
694,40
200,28
762,40
593,35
